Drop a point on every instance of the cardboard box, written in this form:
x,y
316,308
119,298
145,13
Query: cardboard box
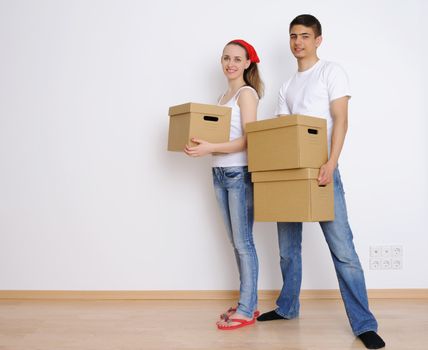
x,y
287,142
292,196
206,122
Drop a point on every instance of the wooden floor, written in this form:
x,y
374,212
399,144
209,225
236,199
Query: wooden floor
x,y
186,324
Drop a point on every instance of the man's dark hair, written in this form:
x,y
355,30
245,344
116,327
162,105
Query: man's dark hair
x,y
307,21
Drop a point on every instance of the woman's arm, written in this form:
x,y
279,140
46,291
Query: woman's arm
x,y
248,103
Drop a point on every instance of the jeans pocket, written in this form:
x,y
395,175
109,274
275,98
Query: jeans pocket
x,y
234,173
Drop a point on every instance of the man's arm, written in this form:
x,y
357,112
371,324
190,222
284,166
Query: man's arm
x,y
282,107
339,112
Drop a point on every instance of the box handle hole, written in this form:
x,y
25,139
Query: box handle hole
x,y
313,131
210,118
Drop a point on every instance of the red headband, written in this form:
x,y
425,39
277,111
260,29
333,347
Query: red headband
x,y
250,50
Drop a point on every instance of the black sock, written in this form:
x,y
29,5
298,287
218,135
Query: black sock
x,y
270,316
371,340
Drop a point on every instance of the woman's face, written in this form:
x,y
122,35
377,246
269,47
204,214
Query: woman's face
x,y
234,61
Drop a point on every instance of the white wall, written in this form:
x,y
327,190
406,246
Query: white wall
x,y
91,200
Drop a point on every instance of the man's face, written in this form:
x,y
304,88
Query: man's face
x,y
303,43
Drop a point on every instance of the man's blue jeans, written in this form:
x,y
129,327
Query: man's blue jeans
x,y
234,192
349,273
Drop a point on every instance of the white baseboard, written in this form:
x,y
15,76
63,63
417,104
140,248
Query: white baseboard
x,y
198,294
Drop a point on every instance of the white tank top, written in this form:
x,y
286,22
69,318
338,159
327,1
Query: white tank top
x,y
236,131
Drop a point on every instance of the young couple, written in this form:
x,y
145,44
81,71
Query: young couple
x,y
318,88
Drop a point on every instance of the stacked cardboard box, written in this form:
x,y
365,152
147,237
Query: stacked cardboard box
x,y
207,122
284,156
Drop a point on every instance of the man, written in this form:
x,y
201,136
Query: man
x,y
320,88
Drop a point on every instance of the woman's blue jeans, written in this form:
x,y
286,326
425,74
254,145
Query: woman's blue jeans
x,y
234,192
349,273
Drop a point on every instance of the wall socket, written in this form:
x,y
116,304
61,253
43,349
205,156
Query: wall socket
x,y
376,251
386,257
375,264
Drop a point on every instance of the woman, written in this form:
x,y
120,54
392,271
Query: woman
x,y
232,182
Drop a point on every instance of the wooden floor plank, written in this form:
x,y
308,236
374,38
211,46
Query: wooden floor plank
x,y
190,324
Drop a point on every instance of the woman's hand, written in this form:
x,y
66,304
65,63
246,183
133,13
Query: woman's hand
x,y
201,149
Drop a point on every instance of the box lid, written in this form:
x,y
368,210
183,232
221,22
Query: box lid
x,y
285,120
285,175
199,108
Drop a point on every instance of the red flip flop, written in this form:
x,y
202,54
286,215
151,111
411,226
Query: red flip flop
x,y
231,310
241,323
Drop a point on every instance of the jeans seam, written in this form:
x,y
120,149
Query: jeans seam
x,y
249,240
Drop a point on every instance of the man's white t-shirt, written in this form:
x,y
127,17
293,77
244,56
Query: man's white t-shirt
x,y
310,92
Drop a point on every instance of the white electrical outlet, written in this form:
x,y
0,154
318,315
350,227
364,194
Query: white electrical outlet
x,y
386,257
396,250
374,264
385,264
386,251
396,263
376,251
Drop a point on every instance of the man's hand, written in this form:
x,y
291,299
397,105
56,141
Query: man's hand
x,y
326,173
201,149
